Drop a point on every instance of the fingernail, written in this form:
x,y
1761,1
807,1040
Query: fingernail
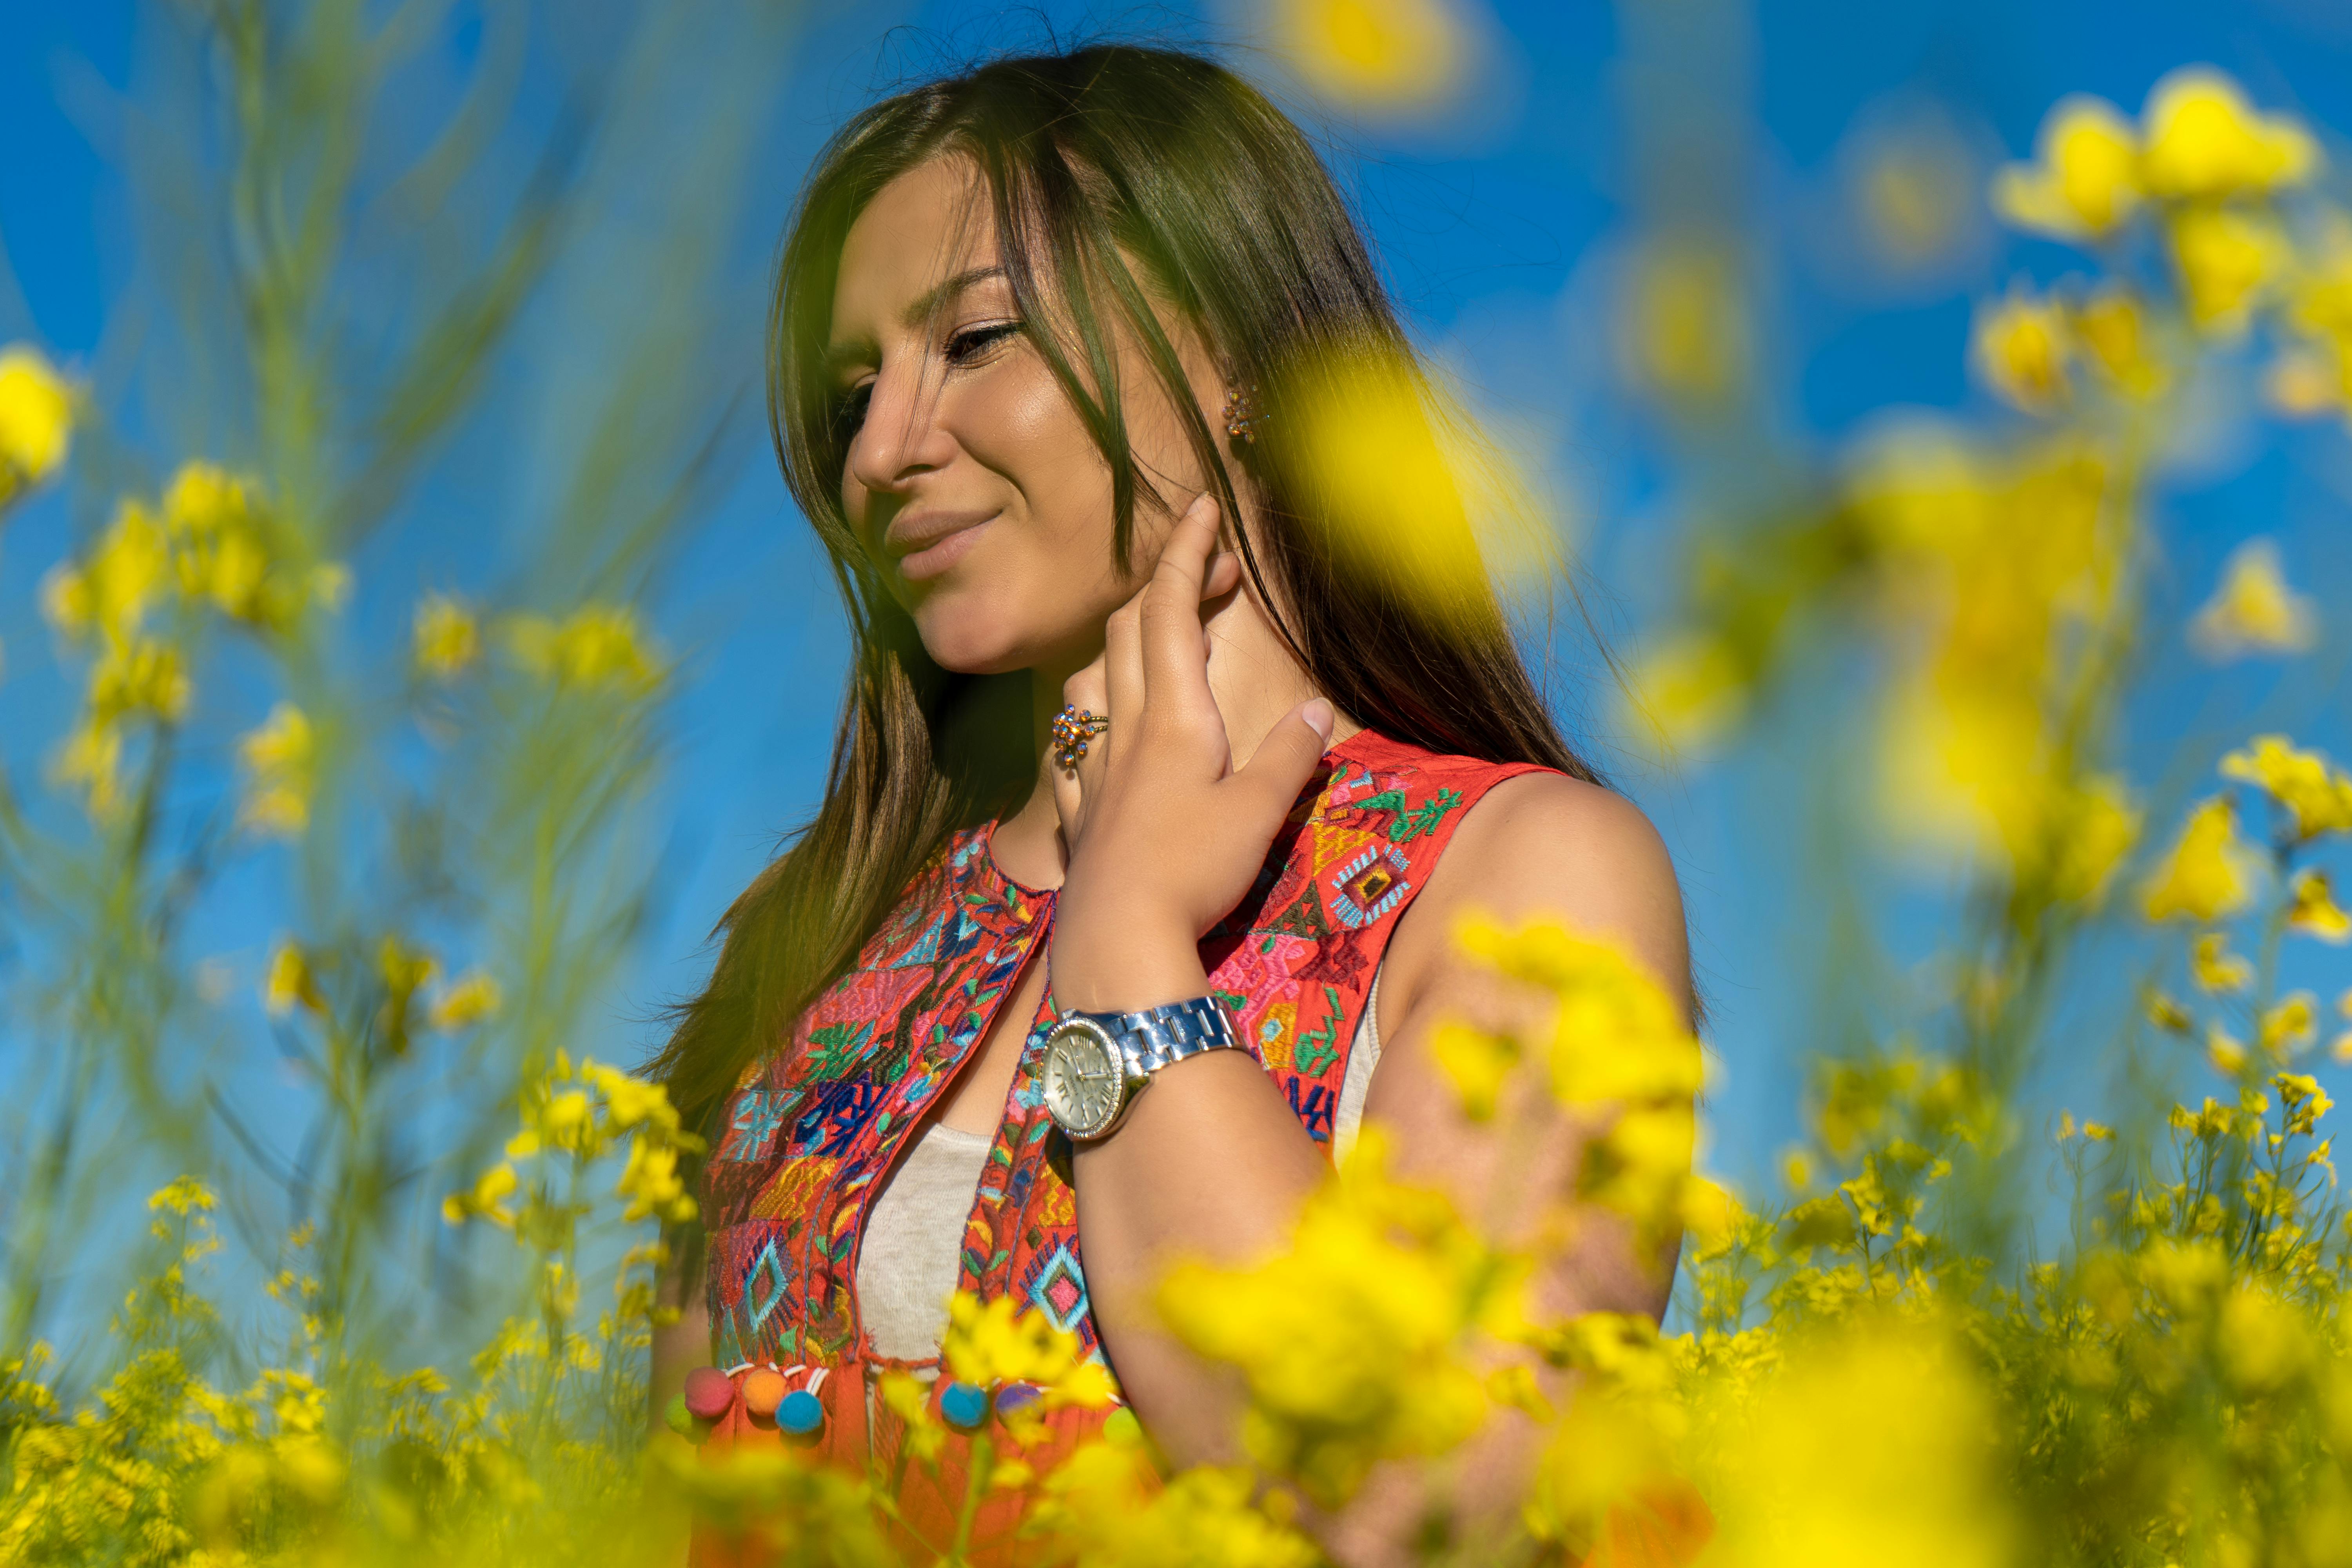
x,y
1321,717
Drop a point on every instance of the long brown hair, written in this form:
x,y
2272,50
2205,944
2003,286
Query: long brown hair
x,y
1091,160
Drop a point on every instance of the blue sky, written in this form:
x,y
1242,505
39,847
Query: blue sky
x,y
1494,226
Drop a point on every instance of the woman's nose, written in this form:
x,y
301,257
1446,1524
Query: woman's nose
x,y
902,435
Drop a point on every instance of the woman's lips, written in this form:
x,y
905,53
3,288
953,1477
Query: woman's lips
x,y
935,558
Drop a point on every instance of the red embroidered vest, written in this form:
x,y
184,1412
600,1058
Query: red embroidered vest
x,y
816,1128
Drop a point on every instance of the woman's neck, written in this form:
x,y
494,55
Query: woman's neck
x,y
1256,682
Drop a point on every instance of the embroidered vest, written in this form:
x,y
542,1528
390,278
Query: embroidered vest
x,y
816,1128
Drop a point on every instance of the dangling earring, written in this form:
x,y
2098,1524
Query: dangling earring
x,y
1242,417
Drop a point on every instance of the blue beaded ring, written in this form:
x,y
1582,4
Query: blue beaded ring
x,y
964,1405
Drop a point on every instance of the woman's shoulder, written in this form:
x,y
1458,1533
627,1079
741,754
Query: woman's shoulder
x,y
1544,846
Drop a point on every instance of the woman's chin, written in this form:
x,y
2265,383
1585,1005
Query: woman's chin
x,y
971,644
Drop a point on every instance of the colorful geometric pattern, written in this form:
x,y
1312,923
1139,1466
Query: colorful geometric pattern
x,y
816,1126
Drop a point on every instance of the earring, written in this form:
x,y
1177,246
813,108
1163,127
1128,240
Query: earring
x,y
1242,417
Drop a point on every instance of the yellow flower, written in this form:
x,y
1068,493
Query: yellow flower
x,y
1477,1062
2206,142
996,1342
2083,182
465,1002
2020,346
139,676
292,980
2167,1014
652,1186
2319,798
2289,1025
447,636
2112,328
2224,1051
2094,836
2215,968
109,593
2253,610
2209,873
1684,328
597,645
92,757
36,420
281,764
1373,53
486,1198
2314,909
1688,691
2226,260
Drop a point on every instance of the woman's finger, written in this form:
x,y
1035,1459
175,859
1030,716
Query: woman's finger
x,y
1175,662
1074,787
1269,784
1122,667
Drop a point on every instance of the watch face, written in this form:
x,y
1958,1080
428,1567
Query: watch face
x,y
1083,1080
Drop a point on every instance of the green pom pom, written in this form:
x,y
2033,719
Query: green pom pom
x,y
1121,1426
681,1420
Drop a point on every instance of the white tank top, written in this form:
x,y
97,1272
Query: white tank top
x,y
907,1264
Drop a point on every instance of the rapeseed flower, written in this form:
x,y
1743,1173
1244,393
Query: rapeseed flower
x,y
2210,873
2314,794
447,638
2215,968
2311,907
2227,262
281,762
596,647
2254,611
2205,142
36,420
2022,346
1379,54
465,1002
2085,180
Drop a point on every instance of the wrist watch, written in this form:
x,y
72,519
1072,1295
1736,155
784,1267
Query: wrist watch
x,y
1097,1063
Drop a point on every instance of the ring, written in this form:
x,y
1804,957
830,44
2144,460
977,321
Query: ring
x,y
1073,729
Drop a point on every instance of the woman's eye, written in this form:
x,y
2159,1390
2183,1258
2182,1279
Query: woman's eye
x,y
968,345
849,407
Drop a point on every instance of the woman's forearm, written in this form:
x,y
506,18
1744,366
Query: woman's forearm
x,y
1209,1163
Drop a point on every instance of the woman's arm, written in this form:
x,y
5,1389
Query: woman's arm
x,y
1537,848
1211,1163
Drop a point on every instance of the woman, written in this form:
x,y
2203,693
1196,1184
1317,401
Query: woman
x,y
1135,722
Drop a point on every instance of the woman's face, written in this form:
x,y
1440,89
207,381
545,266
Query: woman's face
x,y
969,478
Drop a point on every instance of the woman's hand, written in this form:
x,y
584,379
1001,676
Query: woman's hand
x,y
1165,835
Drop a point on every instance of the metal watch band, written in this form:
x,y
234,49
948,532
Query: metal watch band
x,y
1157,1037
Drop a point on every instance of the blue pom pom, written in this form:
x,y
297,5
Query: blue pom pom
x,y
964,1405
800,1412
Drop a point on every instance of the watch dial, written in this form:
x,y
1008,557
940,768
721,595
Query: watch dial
x,y
1081,1082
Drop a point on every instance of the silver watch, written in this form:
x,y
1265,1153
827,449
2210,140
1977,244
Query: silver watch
x,y
1097,1063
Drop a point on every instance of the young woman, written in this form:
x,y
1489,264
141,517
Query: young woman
x,y
1141,733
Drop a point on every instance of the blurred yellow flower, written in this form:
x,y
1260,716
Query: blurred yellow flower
x,y
1684,330
485,1199
281,762
2167,1014
465,1002
1477,1062
36,420
2206,142
1352,1342
2225,1052
2215,968
291,981
2314,909
1687,690
447,636
139,676
2289,1025
2112,328
2097,829
2209,872
998,1342
2020,346
109,593
91,758
2254,611
2226,260
2317,795
1374,54
2083,181
595,647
